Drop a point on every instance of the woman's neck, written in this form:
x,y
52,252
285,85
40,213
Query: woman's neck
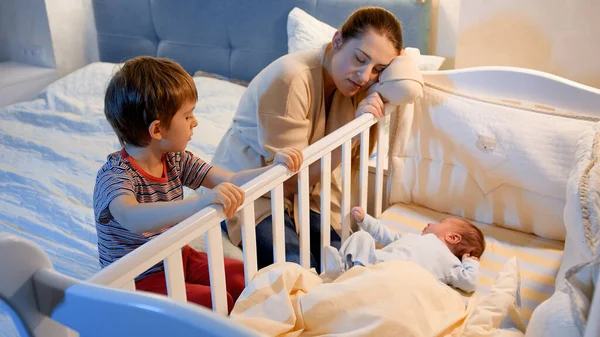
x,y
328,82
148,158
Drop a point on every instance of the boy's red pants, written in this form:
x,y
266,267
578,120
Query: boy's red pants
x,y
197,280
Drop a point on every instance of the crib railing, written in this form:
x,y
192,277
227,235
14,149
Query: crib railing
x,y
167,247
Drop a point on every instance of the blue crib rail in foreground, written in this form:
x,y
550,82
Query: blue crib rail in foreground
x,y
42,302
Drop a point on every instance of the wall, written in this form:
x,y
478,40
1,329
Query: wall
x,y
555,36
444,28
25,34
73,34
559,39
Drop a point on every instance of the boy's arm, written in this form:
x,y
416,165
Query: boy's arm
x,y
464,276
216,176
292,158
148,217
379,232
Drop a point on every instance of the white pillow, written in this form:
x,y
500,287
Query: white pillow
x,y
306,32
582,209
565,313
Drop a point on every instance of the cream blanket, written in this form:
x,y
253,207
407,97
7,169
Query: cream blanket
x,y
396,298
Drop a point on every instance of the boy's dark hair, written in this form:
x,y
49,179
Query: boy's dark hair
x,y
146,89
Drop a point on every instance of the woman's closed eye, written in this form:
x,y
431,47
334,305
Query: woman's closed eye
x,y
361,61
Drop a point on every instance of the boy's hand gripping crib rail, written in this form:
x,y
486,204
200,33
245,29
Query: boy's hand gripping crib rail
x,y
167,247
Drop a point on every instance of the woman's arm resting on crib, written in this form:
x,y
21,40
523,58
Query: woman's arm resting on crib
x,y
371,104
465,276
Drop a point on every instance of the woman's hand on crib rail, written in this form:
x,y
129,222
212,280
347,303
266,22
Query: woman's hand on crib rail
x,y
372,104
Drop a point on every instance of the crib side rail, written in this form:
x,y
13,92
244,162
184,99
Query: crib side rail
x,y
43,302
167,247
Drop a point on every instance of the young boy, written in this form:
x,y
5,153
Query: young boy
x,y
138,194
449,249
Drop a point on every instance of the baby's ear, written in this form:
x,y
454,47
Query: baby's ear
x,y
453,238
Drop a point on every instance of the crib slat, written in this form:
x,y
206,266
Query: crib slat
x,y
249,242
304,210
346,163
174,276
381,148
278,224
216,267
364,168
325,204
129,285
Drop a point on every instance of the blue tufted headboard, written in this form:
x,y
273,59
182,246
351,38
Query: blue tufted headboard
x,y
234,38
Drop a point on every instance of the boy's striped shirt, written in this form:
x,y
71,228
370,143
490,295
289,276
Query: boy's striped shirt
x,y
122,175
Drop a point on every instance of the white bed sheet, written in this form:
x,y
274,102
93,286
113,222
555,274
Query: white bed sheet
x,y
52,148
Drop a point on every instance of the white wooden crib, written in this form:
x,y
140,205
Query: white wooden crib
x,y
40,297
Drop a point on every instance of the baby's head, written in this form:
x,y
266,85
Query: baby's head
x,y
150,95
461,236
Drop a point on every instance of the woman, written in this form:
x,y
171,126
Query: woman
x,y
297,100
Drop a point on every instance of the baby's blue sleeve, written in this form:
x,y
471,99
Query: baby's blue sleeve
x,y
465,275
379,232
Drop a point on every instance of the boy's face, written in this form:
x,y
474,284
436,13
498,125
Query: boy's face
x,y
180,132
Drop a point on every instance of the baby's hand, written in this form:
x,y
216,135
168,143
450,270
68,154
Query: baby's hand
x,y
228,195
358,213
290,157
468,256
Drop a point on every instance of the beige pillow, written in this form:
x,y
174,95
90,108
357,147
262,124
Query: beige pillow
x,y
488,312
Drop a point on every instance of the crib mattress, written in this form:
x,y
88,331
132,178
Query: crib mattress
x,y
539,259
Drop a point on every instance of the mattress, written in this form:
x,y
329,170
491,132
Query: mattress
x,y
52,148
539,259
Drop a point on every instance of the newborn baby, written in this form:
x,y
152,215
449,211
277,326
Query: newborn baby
x,y
450,249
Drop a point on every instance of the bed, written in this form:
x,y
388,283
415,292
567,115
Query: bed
x,y
52,147
55,143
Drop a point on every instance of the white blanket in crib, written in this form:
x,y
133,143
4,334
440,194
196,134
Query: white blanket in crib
x,y
395,298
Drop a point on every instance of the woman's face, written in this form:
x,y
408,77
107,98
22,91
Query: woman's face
x,y
357,63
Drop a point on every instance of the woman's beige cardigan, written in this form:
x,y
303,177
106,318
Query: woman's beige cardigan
x,y
284,106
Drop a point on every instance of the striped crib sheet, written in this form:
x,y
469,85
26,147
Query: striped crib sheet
x,y
539,259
